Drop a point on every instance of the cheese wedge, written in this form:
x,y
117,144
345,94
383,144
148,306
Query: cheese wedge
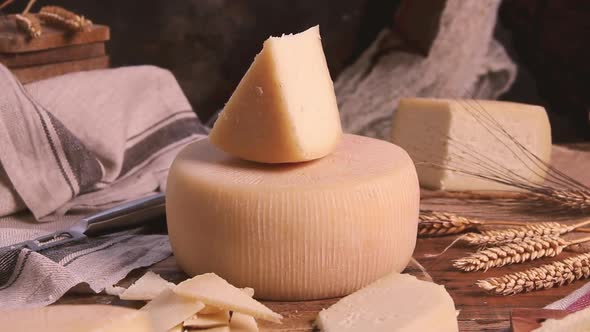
x,y
213,290
444,136
311,230
284,110
146,288
76,318
243,323
168,310
397,302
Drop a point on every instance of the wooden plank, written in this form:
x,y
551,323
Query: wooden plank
x,y
36,73
478,310
527,319
14,41
61,54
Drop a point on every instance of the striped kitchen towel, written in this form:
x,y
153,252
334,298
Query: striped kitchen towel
x,y
75,144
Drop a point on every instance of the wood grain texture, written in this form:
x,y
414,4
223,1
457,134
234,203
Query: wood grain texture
x,y
478,310
13,41
61,54
36,73
526,320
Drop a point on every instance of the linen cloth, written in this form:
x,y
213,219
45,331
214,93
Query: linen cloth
x,y
73,145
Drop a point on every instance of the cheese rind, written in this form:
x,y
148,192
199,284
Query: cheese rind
x,y
312,230
446,135
75,318
397,302
284,110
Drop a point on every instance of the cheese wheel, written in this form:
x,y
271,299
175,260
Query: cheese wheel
x,y
75,318
311,230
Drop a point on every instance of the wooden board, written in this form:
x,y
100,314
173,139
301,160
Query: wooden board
x,y
61,54
526,320
14,41
36,73
478,310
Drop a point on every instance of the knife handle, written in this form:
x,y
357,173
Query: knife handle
x,y
128,215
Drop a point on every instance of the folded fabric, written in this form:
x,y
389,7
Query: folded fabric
x,y
75,144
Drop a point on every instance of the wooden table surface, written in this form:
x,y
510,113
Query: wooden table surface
x,y
478,311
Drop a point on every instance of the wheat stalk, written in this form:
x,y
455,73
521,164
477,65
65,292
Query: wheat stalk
x,y
516,252
63,18
495,237
433,223
29,24
572,199
555,274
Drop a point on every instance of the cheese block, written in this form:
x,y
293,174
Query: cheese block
x,y
212,290
397,302
146,288
76,318
576,322
294,231
472,136
284,109
168,310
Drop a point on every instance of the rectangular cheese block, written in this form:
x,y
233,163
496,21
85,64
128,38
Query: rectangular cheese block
x,y
396,302
448,138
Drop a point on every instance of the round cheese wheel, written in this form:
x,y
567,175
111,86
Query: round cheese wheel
x,y
75,318
302,231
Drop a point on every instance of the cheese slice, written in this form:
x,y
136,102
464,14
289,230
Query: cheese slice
x,y
206,321
146,288
75,318
243,323
208,310
576,322
217,329
442,136
169,309
213,290
294,231
397,302
284,109
177,328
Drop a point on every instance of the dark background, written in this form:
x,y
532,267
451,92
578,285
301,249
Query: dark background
x,y
209,44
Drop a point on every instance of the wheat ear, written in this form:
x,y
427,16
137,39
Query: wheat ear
x,y
517,252
29,24
555,274
432,223
572,199
495,237
63,18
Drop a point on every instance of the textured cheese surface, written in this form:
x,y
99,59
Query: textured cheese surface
x,y
146,288
213,290
76,318
463,134
397,302
577,322
319,229
169,309
284,109
243,323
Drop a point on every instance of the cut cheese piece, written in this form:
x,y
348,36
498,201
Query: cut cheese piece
x,y
114,290
297,231
205,321
445,135
75,318
397,302
177,328
217,329
243,323
169,309
208,310
576,322
146,288
210,289
284,109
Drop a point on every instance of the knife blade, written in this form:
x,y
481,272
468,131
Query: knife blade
x,y
130,214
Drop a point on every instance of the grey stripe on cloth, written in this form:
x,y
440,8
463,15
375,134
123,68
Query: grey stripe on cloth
x,y
74,145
